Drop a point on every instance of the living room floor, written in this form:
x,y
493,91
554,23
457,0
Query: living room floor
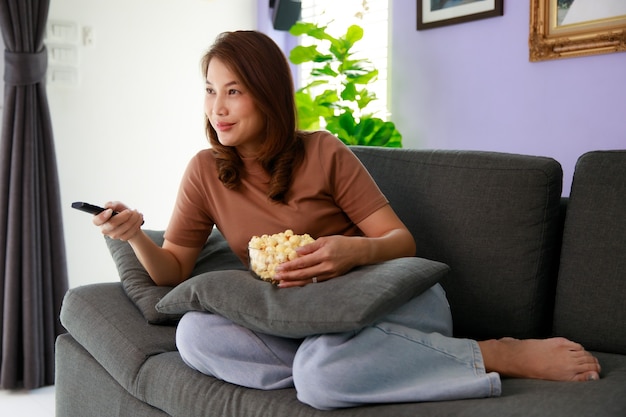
x,y
22,403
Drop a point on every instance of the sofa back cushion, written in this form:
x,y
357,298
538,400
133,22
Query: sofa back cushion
x,y
591,289
493,218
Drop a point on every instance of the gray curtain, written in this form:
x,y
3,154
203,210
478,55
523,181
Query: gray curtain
x,y
33,272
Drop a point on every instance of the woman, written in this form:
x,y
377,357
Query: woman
x,y
262,176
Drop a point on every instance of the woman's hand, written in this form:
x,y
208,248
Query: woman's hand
x,y
169,264
326,258
386,237
123,226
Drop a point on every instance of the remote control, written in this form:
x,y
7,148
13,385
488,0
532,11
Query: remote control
x,y
89,208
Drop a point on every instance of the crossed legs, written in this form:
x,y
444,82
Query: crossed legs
x,y
390,361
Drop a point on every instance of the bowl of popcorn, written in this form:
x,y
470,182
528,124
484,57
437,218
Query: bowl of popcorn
x,y
268,251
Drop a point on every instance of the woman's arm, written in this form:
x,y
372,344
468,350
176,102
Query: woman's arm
x,y
168,265
386,237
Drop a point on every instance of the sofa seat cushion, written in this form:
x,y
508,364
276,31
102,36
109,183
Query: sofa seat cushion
x,y
346,303
591,292
110,327
166,383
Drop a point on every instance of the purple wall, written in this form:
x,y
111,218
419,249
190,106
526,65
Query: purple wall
x,y
471,86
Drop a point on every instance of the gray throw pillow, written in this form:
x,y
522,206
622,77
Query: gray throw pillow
x,y
215,255
350,302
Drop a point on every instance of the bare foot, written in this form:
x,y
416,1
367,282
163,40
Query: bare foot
x,y
555,359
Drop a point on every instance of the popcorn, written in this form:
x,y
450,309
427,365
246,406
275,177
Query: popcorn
x,y
268,251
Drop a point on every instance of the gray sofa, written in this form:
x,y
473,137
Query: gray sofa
x,y
523,262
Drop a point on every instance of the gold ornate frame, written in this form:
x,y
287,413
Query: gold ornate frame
x,y
548,40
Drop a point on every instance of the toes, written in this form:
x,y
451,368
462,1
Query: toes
x,y
588,371
587,376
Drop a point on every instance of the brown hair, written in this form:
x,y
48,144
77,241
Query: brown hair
x,y
263,69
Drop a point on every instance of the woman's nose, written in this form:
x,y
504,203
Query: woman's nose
x,y
219,108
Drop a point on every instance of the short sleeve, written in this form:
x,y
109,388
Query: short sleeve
x,y
191,222
353,188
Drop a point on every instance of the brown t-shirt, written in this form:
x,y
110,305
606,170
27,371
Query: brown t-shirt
x,y
330,193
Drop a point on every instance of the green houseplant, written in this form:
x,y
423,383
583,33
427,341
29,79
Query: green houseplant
x,y
337,98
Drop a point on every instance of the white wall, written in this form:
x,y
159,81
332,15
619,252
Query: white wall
x,y
128,128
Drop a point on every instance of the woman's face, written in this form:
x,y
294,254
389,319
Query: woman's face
x,y
231,110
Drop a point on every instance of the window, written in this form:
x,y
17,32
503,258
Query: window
x,y
373,17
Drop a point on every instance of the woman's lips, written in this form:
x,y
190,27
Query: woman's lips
x,y
222,127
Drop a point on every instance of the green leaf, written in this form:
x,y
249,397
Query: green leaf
x,y
349,92
364,97
312,84
362,77
347,122
308,118
342,126
333,127
364,130
326,98
382,134
395,141
301,28
354,34
326,70
301,54
310,29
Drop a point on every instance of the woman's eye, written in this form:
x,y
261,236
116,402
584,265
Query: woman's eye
x,y
232,91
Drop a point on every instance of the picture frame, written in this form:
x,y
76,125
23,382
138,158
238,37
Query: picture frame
x,y
437,13
568,28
